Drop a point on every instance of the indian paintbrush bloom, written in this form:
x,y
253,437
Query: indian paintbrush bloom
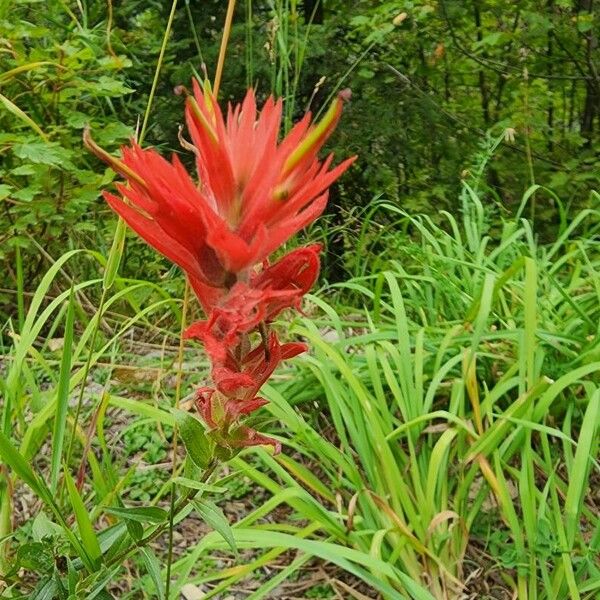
x,y
253,193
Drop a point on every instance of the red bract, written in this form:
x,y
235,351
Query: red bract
x,y
163,206
239,378
252,195
264,190
277,287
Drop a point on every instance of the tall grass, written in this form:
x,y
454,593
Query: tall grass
x,y
444,440
439,441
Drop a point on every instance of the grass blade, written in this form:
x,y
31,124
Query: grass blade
x,y
62,400
578,477
84,524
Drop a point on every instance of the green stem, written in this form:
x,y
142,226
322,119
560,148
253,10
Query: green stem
x,y
170,550
20,288
161,57
194,32
186,299
178,508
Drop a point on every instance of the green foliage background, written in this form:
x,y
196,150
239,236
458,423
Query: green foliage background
x,y
429,80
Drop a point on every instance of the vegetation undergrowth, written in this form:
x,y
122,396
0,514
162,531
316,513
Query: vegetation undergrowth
x,y
441,438
460,441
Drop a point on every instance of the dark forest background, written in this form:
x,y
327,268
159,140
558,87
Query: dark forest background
x,y
437,88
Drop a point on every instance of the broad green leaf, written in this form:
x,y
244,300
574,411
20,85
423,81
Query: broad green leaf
x,y
212,515
193,434
51,154
143,514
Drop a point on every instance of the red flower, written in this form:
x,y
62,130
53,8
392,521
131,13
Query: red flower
x,y
243,379
238,381
228,434
279,286
163,206
238,370
253,193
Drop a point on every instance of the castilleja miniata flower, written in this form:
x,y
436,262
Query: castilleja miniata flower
x,y
253,193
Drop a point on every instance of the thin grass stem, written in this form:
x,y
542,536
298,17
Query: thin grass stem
x,y
161,57
223,48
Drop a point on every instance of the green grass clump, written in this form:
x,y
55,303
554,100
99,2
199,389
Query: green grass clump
x,y
443,440
441,437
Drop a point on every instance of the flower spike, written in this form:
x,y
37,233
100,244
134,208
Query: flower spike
x,y
252,193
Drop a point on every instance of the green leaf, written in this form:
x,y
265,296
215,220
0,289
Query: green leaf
x,y
20,466
198,446
51,154
27,194
17,112
107,86
579,474
46,590
5,190
26,67
144,410
43,528
84,524
62,396
114,257
135,529
212,515
153,568
34,556
349,559
584,24
198,485
72,577
143,514
103,578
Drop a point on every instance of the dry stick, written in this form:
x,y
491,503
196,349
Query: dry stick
x,y
109,22
223,48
